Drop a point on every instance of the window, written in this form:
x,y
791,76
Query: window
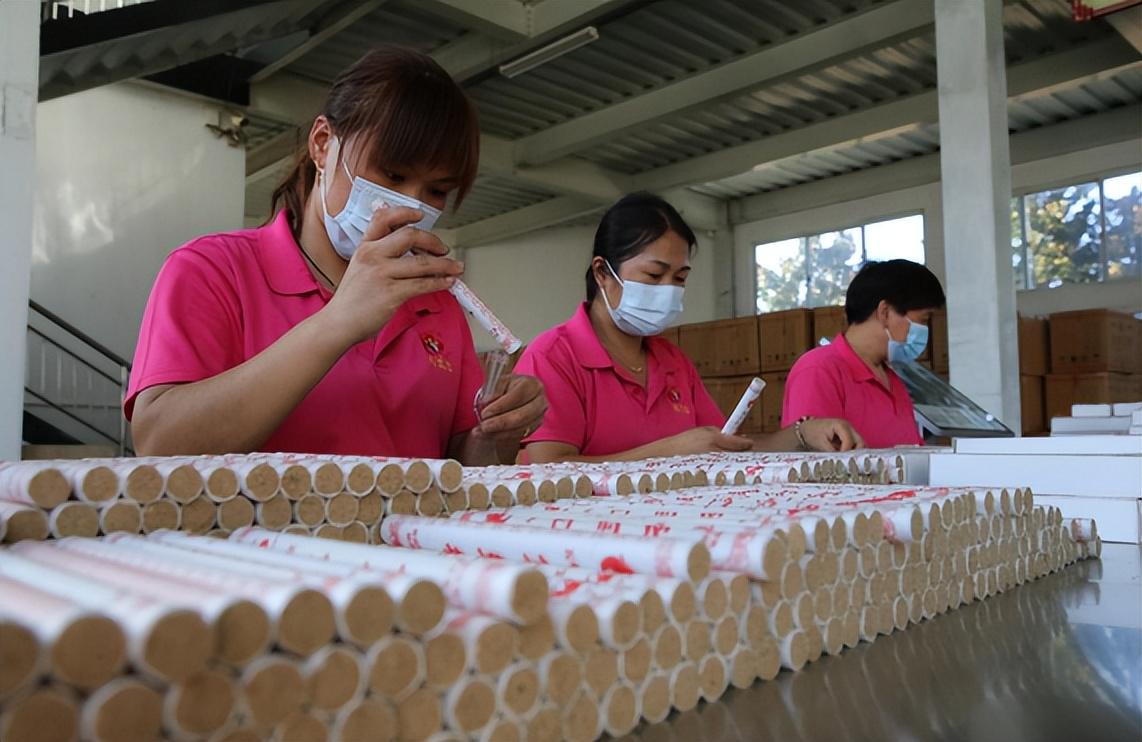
x,y
815,270
1083,233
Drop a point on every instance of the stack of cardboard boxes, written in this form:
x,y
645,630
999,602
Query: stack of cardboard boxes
x,y
1034,364
1096,358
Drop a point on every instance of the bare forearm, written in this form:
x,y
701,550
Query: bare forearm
x,y
646,451
782,440
237,410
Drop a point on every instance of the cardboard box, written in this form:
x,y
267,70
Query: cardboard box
x,y
1034,346
828,322
1121,445
726,392
1053,474
1065,390
772,400
937,350
1031,397
1094,341
671,334
722,348
783,337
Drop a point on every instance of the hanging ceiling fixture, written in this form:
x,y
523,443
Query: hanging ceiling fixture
x,y
554,50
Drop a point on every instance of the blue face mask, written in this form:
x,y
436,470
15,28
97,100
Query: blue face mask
x,y
913,345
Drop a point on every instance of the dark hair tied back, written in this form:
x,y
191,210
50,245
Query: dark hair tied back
x,y
634,222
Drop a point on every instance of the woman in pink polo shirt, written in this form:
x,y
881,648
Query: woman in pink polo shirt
x,y
320,332
887,306
616,391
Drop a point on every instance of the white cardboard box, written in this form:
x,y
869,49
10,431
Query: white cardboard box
x,y
1077,444
1125,408
1089,425
1091,410
1089,476
1118,518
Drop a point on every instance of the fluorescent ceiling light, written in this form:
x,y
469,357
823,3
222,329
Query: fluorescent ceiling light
x,y
554,50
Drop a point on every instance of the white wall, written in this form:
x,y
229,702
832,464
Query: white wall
x,y
535,281
838,202
124,175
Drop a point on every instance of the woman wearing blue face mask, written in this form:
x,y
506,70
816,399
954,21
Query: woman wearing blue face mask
x,y
331,329
887,306
615,390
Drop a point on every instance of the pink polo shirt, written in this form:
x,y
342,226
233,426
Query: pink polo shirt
x,y
596,406
833,381
221,299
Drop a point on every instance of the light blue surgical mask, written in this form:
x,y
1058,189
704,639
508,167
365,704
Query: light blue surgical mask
x,y
645,309
347,228
914,343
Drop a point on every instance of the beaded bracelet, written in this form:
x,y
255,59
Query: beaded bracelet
x,y
800,435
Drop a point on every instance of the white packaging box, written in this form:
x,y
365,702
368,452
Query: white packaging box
x,y
1119,519
1089,425
1089,476
1091,410
1110,445
1125,408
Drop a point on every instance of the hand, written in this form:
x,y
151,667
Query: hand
x,y
381,277
515,414
704,440
830,434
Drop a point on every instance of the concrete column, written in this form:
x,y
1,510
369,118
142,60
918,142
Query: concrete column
x,y
975,166
723,240
19,82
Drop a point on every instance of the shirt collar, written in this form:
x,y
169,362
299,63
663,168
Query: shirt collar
x,y
288,273
590,353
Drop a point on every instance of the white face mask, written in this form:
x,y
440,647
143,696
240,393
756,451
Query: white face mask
x,y
347,228
644,309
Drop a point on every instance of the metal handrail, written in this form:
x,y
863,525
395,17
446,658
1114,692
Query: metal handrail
x,y
81,335
123,366
76,356
76,418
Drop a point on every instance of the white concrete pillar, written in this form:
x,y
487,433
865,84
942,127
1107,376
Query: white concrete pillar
x,y
975,166
723,240
19,83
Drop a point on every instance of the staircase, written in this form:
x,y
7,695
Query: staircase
x,y
73,392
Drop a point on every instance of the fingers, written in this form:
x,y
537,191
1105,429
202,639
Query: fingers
x,y
520,408
404,239
388,220
417,266
411,287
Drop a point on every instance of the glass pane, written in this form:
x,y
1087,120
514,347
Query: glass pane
x,y
1063,235
1122,198
1017,255
834,259
896,238
780,275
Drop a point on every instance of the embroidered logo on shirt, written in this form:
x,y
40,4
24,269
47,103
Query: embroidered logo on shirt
x,y
676,402
435,349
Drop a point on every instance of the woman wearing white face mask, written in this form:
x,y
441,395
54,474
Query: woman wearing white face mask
x,y
887,306
615,391
320,332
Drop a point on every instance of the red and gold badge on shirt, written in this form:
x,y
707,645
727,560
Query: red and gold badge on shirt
x,y
676,402
435,349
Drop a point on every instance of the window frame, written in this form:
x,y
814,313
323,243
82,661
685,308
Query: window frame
x,y
922,213
1020,195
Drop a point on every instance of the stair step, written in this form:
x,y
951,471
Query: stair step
x,y
67,451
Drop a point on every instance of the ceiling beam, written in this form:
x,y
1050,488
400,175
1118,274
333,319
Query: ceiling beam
x,y
1036,145
325,29
506,19
830,45
1036,77
544,214
1128,22
269,155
